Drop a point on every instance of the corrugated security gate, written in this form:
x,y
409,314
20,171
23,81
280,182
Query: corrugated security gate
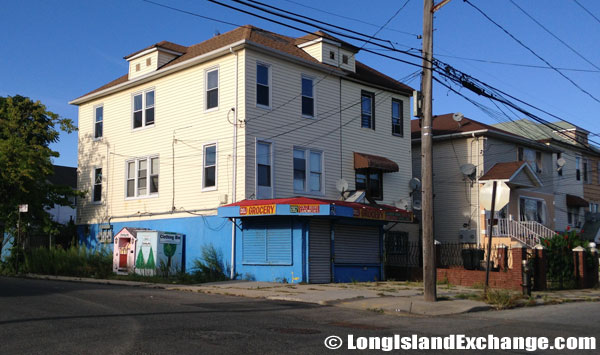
x,y
357,252
319,252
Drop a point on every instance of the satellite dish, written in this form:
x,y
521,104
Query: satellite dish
x,y
467,169
416,205
561,162
341,185
458,116
402,204
414,183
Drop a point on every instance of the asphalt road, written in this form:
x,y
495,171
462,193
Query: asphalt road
x,y
51,317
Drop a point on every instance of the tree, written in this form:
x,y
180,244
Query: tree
x,y
27,129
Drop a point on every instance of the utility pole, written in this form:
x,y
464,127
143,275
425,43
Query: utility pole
x,y
429,271
429,267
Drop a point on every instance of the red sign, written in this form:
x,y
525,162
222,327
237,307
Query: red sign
x,y
305,208
257,210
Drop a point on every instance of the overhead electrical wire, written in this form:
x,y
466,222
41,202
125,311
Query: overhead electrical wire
x,y
588,11
532,51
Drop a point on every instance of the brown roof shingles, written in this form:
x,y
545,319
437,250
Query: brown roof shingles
x,y
445,124
502,171
268,39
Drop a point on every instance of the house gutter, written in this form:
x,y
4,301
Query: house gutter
x,y
234,183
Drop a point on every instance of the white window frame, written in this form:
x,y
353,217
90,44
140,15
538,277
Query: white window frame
x,y
101,122
256,186
544,209
307,171
144,108
578,168
400,103
94,184
372,120
149,175
210,188
270,75
314,96
206,72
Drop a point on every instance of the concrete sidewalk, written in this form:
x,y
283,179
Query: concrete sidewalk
x,y
390,297
382,297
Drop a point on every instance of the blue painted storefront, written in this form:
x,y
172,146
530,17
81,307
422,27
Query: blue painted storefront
x,y
199,231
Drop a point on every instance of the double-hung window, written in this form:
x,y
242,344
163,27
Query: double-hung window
x,y
367,108
397,118
209,181
142,177
578,168
585,171
98,121
212,89
263,91
371,182
308,165
97,193
308,97
264,164
143,109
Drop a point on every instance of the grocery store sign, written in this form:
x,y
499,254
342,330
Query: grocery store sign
x,y
257,210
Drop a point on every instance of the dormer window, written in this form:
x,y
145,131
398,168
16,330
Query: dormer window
x,y
332,55
148,62
345,59
137,67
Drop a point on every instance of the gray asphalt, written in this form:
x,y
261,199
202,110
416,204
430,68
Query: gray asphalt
x,y
52,317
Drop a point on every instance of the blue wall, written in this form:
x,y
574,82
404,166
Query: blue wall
x,y
198,230
277,273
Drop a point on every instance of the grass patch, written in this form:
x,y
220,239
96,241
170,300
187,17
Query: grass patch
x,y
502,299
74,261
468,296
376,310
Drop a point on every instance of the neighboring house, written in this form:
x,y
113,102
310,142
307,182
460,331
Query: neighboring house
x,y
576,167
469,153
257,128
63,175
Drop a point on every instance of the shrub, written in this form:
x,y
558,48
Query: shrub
x,y
210,267
560,257
74,261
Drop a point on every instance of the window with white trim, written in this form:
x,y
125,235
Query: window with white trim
x,y
97,192
532,209
308,170
142,177
578,168
263,90
370,181
263,164
367,107
209,180
212,89
397,118
308,97
98,121
143,109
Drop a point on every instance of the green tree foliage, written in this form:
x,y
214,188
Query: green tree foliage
x,y
559,250
27,129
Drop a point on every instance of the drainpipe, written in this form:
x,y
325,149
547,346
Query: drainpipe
x,y
234,183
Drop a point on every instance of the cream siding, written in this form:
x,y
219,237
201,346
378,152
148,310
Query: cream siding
x,y
179,114
164,58
351,60
315,50
144,68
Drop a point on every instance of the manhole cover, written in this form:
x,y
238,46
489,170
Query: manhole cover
x,y
296,331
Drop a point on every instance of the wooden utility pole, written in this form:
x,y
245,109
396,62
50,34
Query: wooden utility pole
x,y
489,249
429,267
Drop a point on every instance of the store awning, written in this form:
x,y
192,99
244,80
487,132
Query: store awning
x,y
368,161
576,201
305,206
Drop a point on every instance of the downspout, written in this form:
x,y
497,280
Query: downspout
x,y
234,172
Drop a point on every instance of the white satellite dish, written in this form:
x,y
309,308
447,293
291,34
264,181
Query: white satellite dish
x,y
341,185
402,204
416,205
467,169
458,116
561,162
414,183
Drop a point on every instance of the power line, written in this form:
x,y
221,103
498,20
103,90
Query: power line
x,y
193,13
553,35
588,11
351,18
532,51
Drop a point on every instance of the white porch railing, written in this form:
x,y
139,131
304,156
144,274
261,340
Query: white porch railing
x,y
527,232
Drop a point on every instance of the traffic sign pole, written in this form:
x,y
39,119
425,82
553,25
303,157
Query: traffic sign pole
x,y
487,269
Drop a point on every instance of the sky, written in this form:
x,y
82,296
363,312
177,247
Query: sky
x,y
57,50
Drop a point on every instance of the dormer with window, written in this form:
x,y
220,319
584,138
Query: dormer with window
x,y
152,58
329,50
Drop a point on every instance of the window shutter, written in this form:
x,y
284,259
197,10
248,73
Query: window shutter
x,y
279,244
254,245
